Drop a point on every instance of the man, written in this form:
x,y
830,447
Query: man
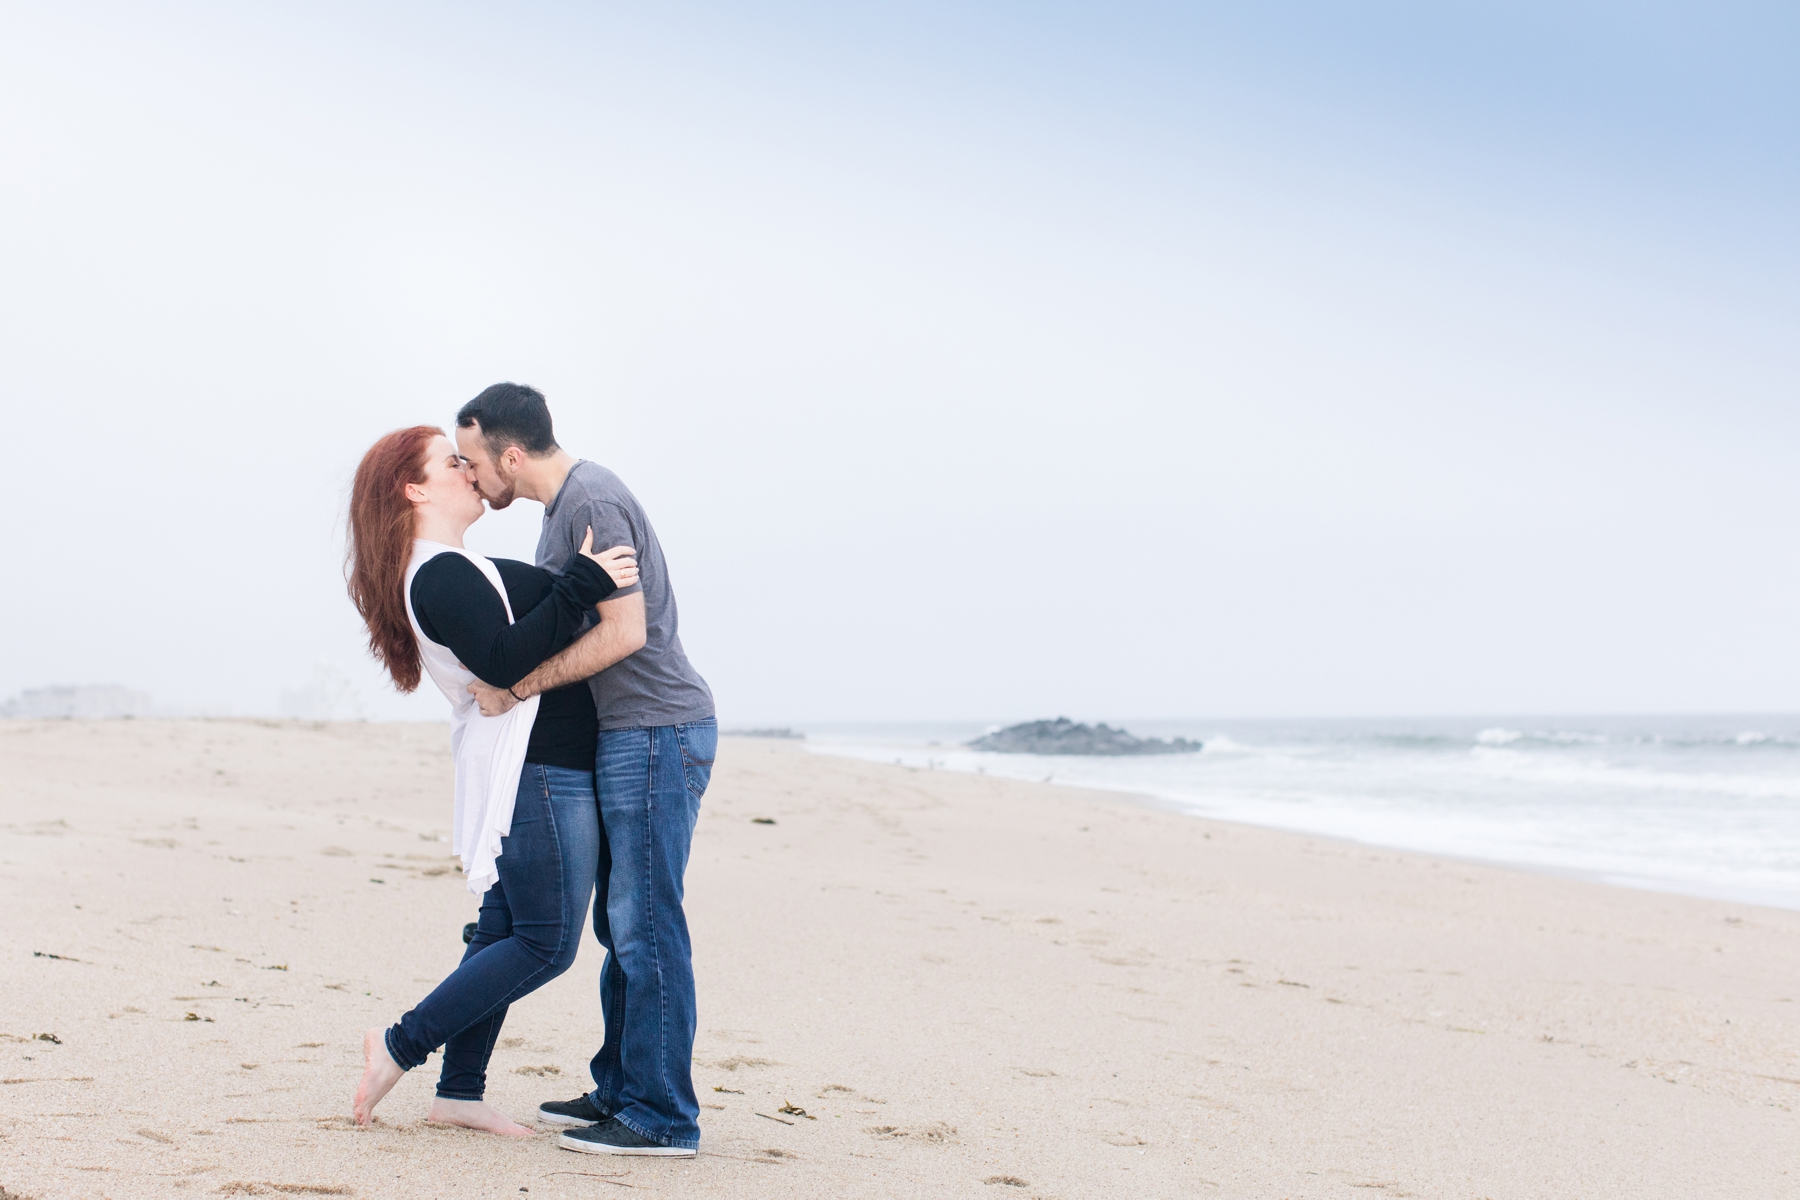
x,y
657,739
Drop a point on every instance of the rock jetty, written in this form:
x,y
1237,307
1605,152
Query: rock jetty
x,y
1063,736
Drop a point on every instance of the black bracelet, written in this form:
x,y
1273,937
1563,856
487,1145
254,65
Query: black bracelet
x,y
515,695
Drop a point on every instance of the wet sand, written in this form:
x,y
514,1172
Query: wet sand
x,y
972,987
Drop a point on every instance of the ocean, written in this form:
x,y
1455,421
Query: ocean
x,y
1707,806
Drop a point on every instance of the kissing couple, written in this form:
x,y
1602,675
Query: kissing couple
x,y
583,741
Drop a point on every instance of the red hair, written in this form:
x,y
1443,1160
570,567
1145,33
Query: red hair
x,y
381,537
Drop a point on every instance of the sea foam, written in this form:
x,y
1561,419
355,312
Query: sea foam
x,y
1697,805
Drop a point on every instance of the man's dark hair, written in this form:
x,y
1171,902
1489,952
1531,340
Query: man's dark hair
x,y
510,414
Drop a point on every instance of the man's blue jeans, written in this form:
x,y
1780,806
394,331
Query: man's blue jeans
x,y
527,935
650,782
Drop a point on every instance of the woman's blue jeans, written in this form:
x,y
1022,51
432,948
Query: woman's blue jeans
x,y
527,935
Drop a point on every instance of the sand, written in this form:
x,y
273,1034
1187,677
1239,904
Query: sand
x,y
971,987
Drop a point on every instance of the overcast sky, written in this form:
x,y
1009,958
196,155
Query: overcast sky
x,y
973,361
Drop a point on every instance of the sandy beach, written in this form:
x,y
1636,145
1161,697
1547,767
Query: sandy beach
x,y
912,983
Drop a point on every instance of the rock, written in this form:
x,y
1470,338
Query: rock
x,y
1063,736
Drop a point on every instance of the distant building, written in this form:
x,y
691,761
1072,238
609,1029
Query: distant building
x,y
77,700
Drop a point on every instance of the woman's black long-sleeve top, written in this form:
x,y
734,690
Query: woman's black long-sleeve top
x,y
459,609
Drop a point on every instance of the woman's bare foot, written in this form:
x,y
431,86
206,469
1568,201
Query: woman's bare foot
x,y
380,1074
476,1114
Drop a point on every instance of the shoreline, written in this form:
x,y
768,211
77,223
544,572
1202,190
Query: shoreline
x,y
971,986
1661,887
1186,807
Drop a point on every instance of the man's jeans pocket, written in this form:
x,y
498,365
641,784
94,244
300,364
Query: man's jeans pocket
x,y
699,744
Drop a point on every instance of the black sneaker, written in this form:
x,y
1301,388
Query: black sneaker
x,y
579,1111
615,1137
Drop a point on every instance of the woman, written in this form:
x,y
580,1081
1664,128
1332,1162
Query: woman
x,y
527,827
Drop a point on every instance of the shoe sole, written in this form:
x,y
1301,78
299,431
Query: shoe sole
x,y
550,1118
586,1147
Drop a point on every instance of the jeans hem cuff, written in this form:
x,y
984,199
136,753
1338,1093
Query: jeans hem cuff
x,y
388,1040
443,1095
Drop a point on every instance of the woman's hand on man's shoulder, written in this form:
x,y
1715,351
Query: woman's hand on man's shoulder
x,y
620,562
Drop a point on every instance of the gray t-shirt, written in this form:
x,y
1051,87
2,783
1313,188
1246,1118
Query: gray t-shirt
x,y
657,685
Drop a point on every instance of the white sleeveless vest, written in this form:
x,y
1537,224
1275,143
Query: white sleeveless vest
x,y
489,752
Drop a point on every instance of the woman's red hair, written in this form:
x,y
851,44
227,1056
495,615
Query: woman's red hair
x,y
381,538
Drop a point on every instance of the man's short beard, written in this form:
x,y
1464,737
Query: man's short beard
x,y
509,489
